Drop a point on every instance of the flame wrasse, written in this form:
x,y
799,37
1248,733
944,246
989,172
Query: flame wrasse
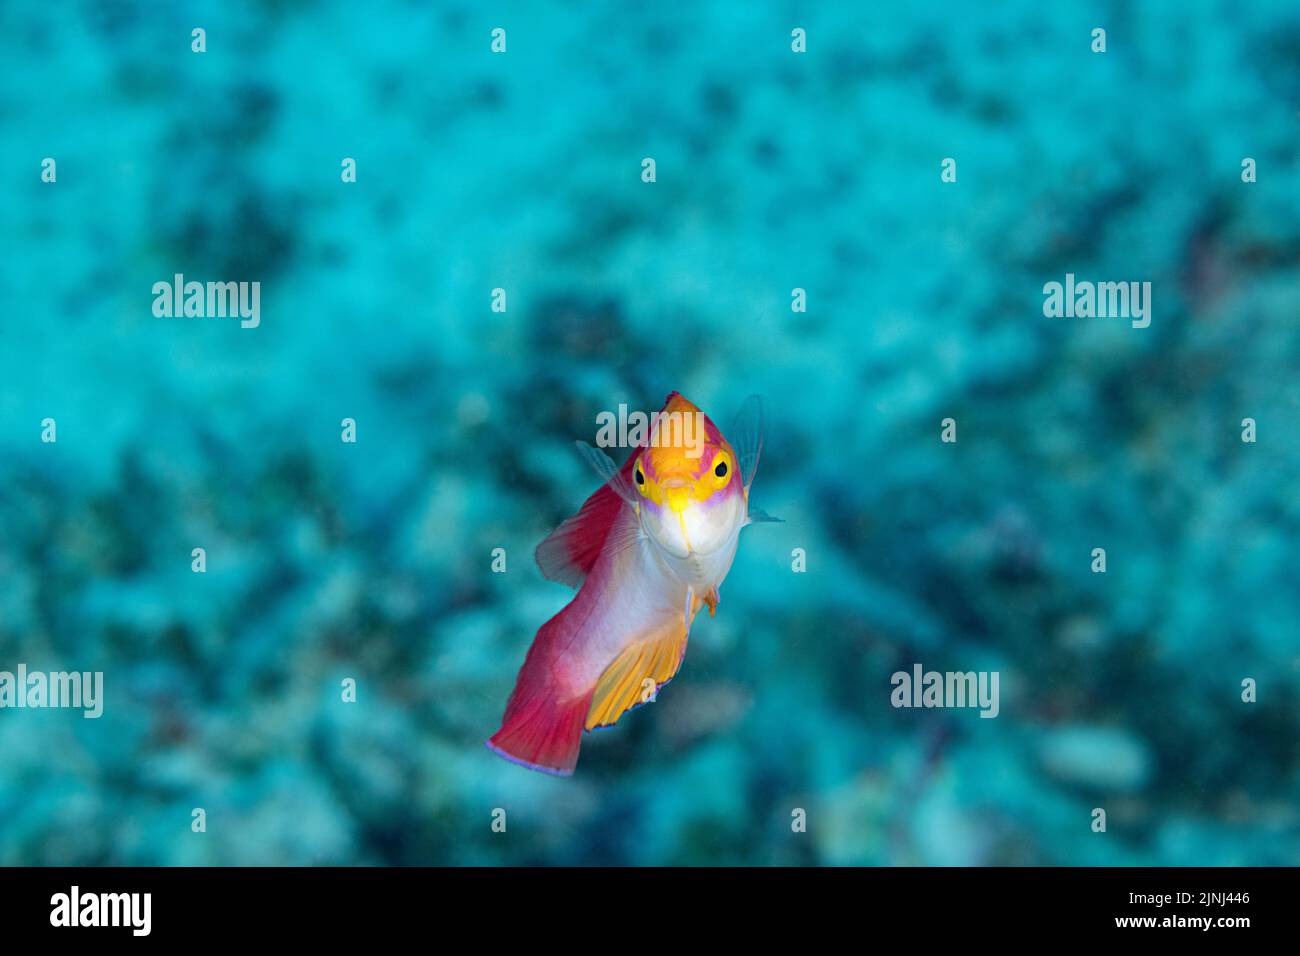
x,y
646,551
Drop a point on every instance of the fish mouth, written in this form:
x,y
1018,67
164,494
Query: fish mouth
x,y
679,498
677,495
682,549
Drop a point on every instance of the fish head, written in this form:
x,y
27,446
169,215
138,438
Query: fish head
x,y
692,497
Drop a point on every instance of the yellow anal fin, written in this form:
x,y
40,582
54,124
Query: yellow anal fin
x,y
627,681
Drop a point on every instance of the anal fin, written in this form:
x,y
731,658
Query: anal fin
x,y
627,681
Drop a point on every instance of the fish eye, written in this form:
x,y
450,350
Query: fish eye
x,y
638,475
722,471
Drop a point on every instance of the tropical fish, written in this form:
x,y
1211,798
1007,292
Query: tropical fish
x,y
646,551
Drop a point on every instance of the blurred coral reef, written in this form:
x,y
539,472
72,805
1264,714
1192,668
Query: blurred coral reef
x,y
775,170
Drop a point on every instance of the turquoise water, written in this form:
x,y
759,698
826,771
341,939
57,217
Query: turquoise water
x,y
774,170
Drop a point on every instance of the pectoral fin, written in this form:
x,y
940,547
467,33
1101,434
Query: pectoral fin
x,y
570,551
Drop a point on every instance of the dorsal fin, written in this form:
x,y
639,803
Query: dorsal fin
x,y
568,553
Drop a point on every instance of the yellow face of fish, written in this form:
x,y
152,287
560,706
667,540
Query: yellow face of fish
x,y
692,501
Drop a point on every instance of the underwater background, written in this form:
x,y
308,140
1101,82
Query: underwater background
x,y
775,171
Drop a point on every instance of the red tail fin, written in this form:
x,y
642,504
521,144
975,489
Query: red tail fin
x,y
545,736
544,720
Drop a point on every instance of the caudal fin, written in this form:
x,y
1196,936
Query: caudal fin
x,y
543,734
